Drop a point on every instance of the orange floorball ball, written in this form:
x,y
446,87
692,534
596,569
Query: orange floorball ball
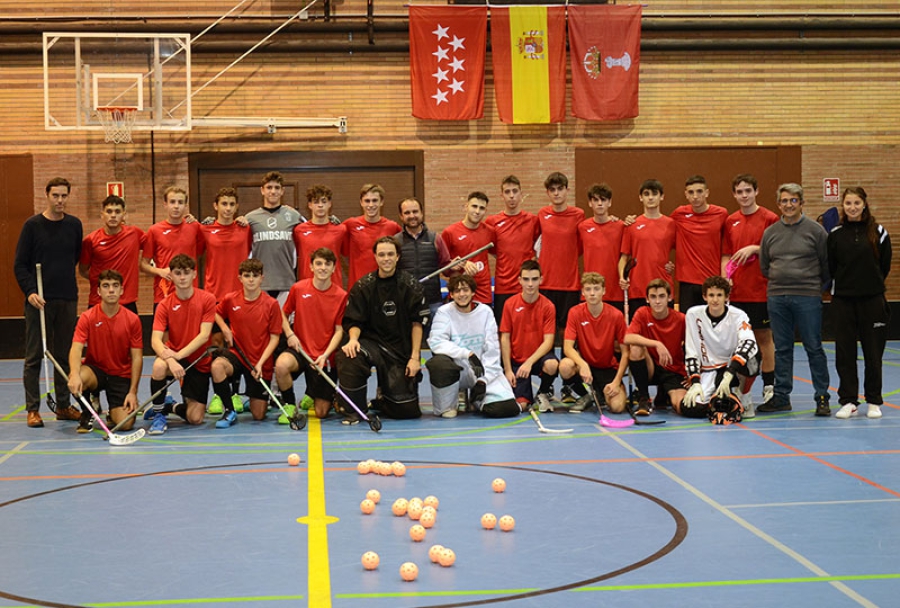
x,y
414,510
409,571
426,520
363,467
399,507
498,485
431,501
447,557
374,496
488,521
370,560
434,553
293,459
507,523
417,533
367,506
398,468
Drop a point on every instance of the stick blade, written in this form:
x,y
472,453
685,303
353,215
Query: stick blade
x,y
615,424
126,439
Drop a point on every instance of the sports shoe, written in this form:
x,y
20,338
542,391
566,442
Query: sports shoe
x,y
34,420
773,405
307,403
450,414
873,411
95,403
566,396
85,424
350,419
215,406
542,403
477,394
68,413
768,393
581,404
747,402
228,419
847,410
159,425
644,407
169,403
822,407
237,403
291,410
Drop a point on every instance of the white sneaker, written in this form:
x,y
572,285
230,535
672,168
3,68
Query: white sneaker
x,y
450,414
749,408
768,393
874,411
847,410
542,401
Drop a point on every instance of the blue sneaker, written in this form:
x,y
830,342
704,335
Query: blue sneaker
x,y
159,425
149,413
227,420
215,406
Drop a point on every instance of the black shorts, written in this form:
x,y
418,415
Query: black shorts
x,y
523,386
666,380
316,386
563,300
602,377
132,306
499,301
195,385
115,387
254,389
758,313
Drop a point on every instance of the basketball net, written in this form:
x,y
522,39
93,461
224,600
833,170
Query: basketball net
x,y
117,122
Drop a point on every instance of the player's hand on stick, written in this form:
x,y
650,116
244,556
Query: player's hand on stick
x,y
37,301
585,372
228,336
724,388
75,385
321,361
670,268
294,342
256,372
693,393
351,348
624,284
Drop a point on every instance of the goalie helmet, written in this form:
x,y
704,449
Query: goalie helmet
x,y
727,410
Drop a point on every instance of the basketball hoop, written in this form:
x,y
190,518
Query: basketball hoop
x,y
117,122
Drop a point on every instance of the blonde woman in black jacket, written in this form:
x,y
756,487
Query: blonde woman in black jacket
x,y
859,259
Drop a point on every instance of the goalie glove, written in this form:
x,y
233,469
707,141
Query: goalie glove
x,y
724,388
477,367
693,393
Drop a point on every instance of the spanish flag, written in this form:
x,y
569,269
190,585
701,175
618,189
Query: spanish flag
x,y
529,55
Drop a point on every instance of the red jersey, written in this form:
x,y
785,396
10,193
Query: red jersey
x,y
527,324
226,247
308,237
748,284
462,240
316,314
361,237
182,319
514,243
109,340
559,248
164,242
596,338
252,322
649,242
601,245
669,331
698,243
120,252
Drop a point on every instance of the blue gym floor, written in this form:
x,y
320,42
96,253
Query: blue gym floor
x,y
783,510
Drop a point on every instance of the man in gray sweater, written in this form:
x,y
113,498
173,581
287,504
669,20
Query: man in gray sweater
x,y
793,256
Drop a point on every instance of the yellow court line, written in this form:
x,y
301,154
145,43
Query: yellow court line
x,y
318,569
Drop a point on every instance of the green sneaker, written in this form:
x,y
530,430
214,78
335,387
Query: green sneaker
x,y
237,403
307,403
291,410
215,406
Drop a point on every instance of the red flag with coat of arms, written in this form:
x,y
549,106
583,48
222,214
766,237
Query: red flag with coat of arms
x,y
605,45
446,61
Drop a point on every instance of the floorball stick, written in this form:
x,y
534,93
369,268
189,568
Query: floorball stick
x,y
113,438
298,420
541,427
456,262
605,421
51,402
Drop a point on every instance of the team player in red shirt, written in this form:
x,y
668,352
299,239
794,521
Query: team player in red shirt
x,y
186,316
699,228
656,350
600,238
318,232
527,331
464,237
559,247
169,238
227,244
648,242
515,232
740,252
251,320
317,306
363,231
594,348
114,358
116,246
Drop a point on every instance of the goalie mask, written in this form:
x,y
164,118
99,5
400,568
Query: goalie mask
x,y
727,410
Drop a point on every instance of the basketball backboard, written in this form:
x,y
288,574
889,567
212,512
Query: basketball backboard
x,y
86,71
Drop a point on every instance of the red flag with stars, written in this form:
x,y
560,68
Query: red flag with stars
x,y
446,61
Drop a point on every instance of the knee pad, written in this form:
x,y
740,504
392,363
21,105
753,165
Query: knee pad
x,y
442,370
508,408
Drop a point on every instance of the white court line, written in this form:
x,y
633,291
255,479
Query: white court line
x,y
13,452
812,567
809,503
